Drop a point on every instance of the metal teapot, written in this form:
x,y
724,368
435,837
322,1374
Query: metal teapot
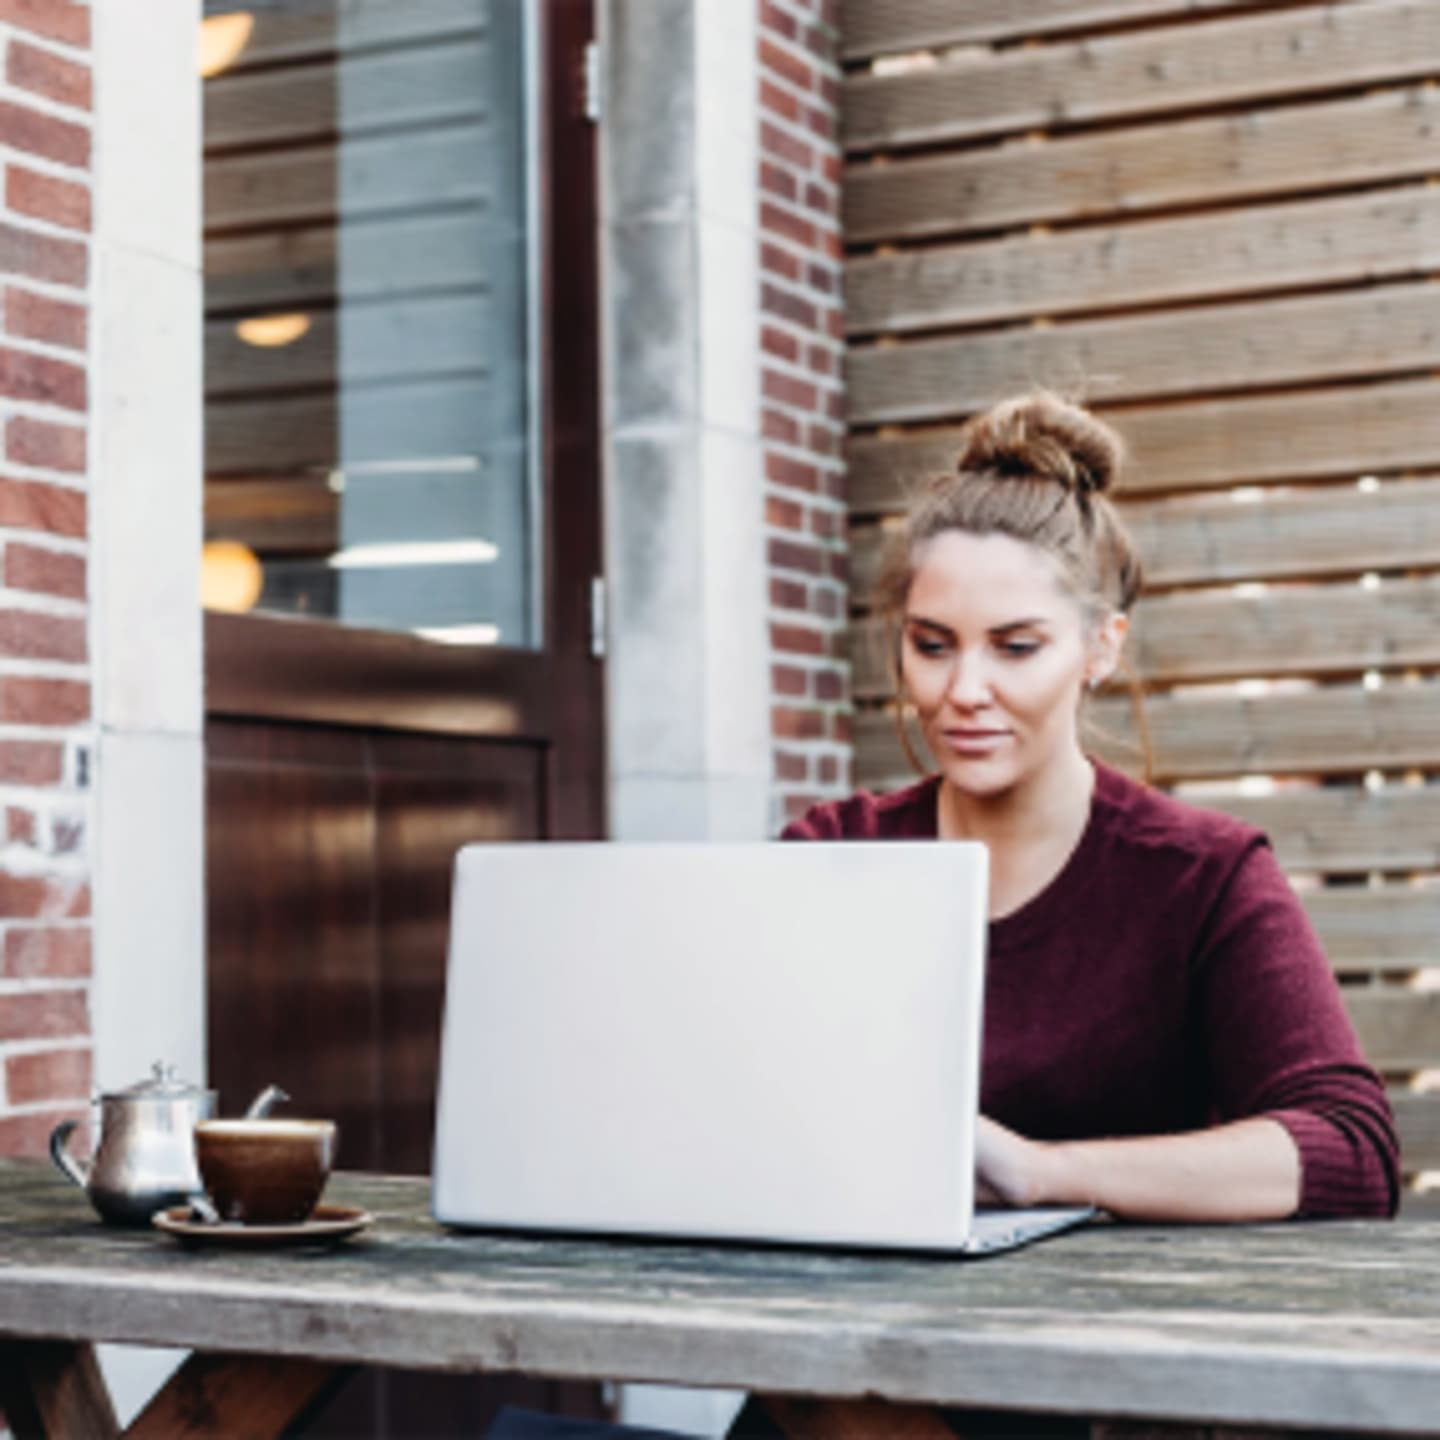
x,y
146,1158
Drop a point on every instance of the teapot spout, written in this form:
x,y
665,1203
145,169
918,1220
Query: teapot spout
x,y
63,1158
265,1102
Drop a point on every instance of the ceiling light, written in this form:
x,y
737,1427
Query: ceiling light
x,y
271,330
231,576
222,38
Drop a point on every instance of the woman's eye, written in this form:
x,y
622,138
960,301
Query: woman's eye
x,y
926,646
1018,649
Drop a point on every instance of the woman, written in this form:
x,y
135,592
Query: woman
x,y
1163,1037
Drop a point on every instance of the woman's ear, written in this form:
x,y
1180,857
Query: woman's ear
x,y
1106,645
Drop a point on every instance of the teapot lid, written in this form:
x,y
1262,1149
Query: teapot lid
x,y
163,1084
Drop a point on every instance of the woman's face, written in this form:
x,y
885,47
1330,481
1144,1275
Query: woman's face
x,y
995,656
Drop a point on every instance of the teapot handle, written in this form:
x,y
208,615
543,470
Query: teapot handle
x,y
63,1158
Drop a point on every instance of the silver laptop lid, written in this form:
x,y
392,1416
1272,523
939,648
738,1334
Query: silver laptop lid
x,y
773,1042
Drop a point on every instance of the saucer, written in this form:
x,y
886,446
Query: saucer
x,y
325,1225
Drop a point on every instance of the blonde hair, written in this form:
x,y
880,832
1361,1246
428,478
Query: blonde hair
x,y
1036,468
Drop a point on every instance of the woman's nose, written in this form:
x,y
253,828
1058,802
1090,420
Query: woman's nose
x,y
969,682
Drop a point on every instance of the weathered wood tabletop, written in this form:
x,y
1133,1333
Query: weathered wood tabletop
x,y
1314,1327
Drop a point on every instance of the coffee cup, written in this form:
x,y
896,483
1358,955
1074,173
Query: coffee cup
x,y
265,1171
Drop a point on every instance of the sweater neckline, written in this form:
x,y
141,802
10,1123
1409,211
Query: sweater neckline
x,y
1047,907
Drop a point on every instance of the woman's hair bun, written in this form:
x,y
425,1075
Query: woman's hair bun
x,y
1042,437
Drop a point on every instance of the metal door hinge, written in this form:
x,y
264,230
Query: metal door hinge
x,y
592,83
597,617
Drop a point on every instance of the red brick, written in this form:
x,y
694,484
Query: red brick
x,y
774,18
44,1014
61,202
47,572
829,88
59,140
784,555
29,635
48,952
791,767
835,324
54,19
30,700
835,486
834,246
777,342
47,446
839,566
792,724
827,603
835,406
778,181
791,67
784,513
34,505
785,146
789,391
778,101
48,1075
783,222
829,769
841,729
821,123
817,197
827,524
788,594
788,680
27,1137
831,169
31,762
782,470
38,377
822,361
797,640
779,262
821,278
780,302
63,81
20,825
829,686
822,440
779,426
53,322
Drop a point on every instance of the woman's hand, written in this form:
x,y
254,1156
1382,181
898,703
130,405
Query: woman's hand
x,y
1011,1170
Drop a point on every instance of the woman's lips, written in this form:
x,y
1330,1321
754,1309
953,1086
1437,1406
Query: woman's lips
x,y
974,742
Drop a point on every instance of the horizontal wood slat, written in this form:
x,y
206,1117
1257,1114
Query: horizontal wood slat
x,y
1265,56
299,34
392,255
1337,530
1288,535
430,85
1398,1029
892,27
1271,153
1318,434
1417,1119
1388,329
1341,730
1393,927
372,175
1260,248
1304,631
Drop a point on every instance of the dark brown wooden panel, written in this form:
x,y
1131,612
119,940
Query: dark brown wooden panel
x,y
1316,242
1247,59
896,26
1386,330
1327,433
1281,151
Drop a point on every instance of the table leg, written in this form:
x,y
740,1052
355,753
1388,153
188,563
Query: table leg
x,y
51,1389
248,1397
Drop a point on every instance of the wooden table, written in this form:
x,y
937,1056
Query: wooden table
x,y
1309,1327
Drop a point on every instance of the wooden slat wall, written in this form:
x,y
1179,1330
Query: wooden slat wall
x,y
1218,223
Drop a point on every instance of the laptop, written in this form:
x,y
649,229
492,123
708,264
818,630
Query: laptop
x,y
763,1043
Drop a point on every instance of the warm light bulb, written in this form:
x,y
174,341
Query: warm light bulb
x,y
222,38
270,330
231,576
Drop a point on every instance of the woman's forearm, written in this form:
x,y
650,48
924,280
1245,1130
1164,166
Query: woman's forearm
x,y
1246,1170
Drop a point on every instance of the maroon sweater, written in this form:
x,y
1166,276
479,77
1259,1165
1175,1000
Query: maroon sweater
x,y
1166,979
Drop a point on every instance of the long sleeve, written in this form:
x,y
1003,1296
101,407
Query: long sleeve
x,y
1278,1043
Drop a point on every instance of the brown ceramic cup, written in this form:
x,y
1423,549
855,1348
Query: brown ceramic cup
x,y
265,1172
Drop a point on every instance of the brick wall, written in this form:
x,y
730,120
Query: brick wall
x,y
802,395
45,699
